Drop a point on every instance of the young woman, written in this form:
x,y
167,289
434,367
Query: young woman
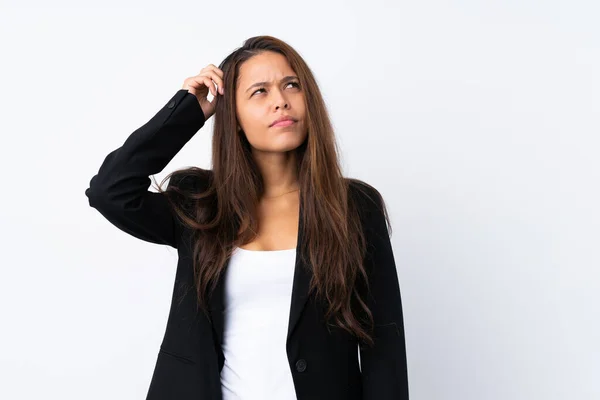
x,y
286,274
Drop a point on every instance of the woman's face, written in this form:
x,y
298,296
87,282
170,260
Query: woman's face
x,y
267,89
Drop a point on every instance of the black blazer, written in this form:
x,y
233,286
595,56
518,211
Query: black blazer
x,y
323,360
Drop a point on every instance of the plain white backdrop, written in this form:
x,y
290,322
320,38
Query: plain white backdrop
x,y
478,121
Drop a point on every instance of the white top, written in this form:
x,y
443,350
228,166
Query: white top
x,y
258,294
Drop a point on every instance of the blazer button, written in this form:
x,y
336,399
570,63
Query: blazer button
x,y
301,365
171,104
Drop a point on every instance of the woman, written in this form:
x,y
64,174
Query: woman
x,y
286,273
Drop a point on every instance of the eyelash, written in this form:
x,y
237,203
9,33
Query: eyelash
x,y
295,83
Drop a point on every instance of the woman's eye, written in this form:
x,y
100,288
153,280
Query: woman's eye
x,y
290,83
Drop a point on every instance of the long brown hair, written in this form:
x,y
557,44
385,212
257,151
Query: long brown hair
x,y
227,202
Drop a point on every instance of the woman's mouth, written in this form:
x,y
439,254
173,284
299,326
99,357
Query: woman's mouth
x,y
287,122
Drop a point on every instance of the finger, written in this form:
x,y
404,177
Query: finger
x,y
211,86
212,67
216,78
200,82
196,82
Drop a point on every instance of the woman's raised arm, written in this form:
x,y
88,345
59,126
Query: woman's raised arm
x,y
119,191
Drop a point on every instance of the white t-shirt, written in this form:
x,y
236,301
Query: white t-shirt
x,y
258,293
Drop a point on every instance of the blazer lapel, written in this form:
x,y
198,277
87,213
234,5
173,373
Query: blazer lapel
x,y
216,306
302,276
300,287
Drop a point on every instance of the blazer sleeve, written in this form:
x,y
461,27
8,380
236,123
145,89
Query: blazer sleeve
x,y
119,191
383,366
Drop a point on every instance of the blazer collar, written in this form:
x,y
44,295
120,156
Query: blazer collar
x,y
300,287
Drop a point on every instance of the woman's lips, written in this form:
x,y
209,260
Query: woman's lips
x,y
284,123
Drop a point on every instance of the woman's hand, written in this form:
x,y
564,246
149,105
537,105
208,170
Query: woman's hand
x,y
200,84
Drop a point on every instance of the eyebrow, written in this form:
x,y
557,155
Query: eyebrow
x,y
285,79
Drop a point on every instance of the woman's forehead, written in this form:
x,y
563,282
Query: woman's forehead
x,y
267,67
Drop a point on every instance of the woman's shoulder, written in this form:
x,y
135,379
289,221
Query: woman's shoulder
x,y
364,192
369,203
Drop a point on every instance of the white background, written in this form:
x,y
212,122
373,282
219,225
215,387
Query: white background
x,y
478,121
